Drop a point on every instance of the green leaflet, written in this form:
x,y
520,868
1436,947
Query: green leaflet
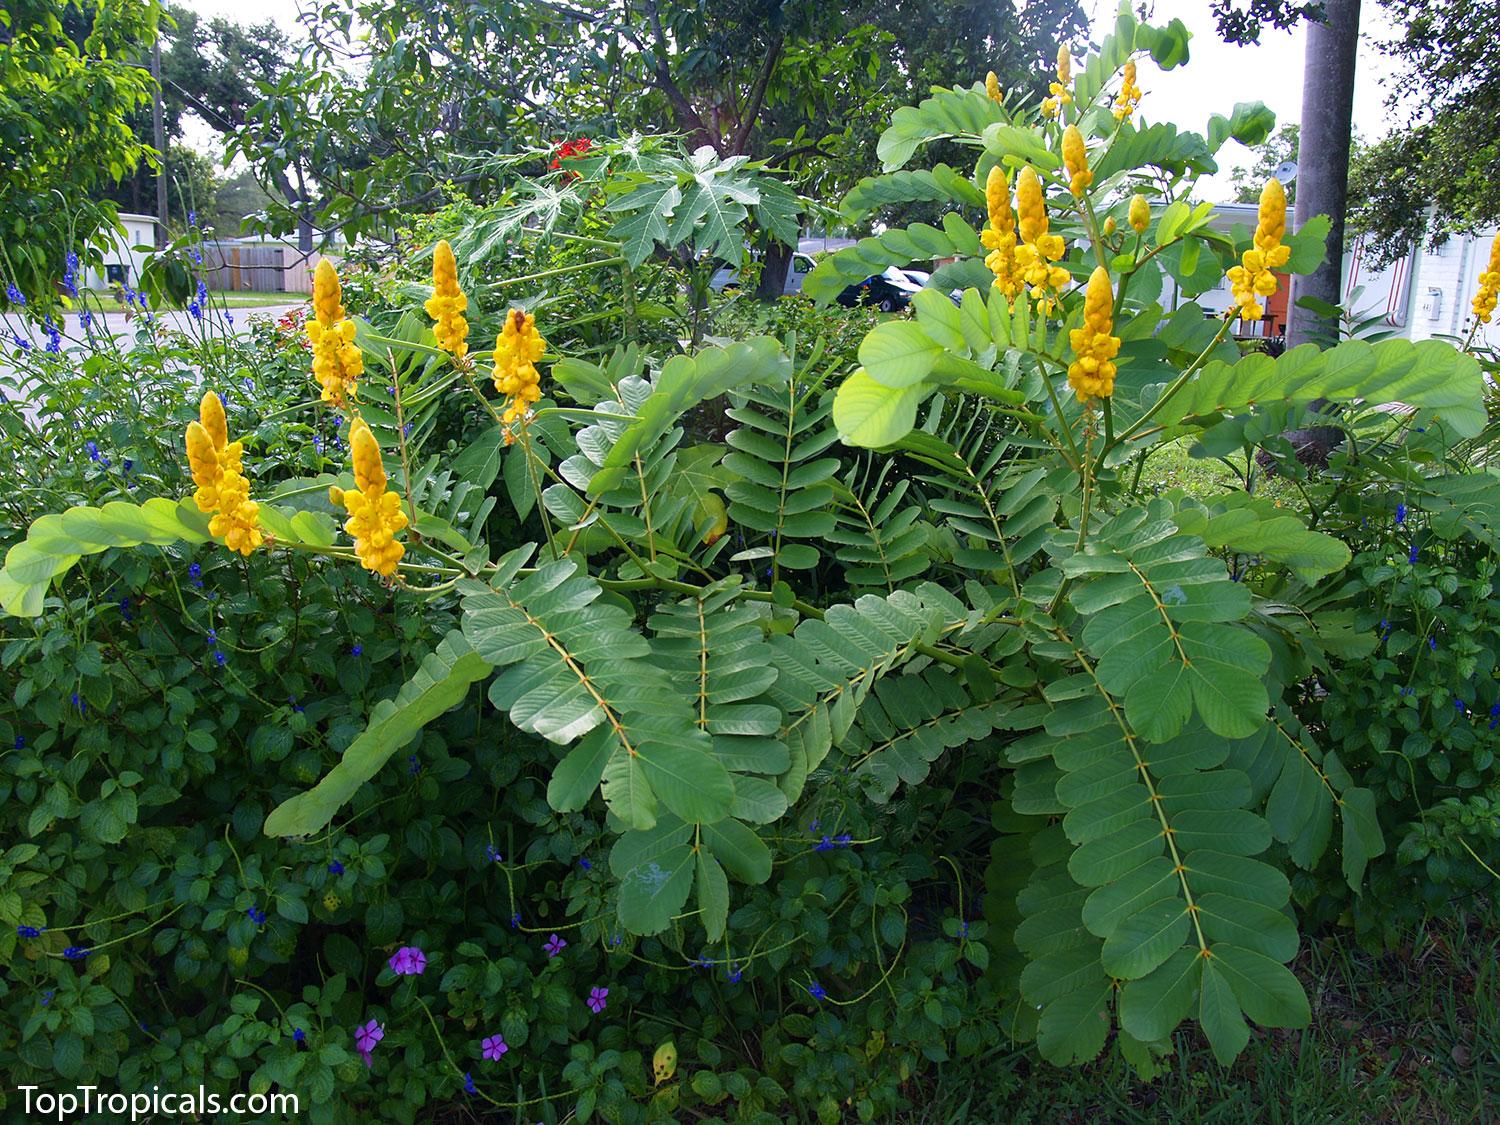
x,y
942,183
946,113
440,683
1163,625
657,868
894,248
1429,375
55,542
1255,526
573,664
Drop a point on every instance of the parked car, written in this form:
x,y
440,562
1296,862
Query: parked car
x,y
796,270
888,291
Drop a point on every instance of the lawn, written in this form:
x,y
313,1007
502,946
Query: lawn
x,y
249,299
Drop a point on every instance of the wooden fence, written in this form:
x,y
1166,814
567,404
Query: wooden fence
x,y
235,267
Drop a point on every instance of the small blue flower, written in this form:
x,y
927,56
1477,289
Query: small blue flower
x,y
80,704
817,992
357,650
220,658
93,450
292,699
1400,513
734,973
21,738
299,1035
195,572
202,292
491,854
469,1084
515,919
585,864
257,915
1458,705
84,318
21,342
126,465
29,931
197,257
614,942
76,952
963,929
416,766
47,998
1413,557
844,841
125,609
192,222
229,317
15,295
336,867
1432,643
195,310
212,638
825,845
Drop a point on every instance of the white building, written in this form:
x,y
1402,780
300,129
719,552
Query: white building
x,y
122,261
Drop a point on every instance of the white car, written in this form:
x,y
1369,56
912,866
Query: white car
x,y
797,269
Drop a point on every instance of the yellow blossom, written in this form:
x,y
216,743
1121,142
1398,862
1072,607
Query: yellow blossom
x,y
217,471
447,303
999,237
1252,279
992,86
375,513
517,348
1489,286
337,362
1130,94
1092,373
1140,213
1039,251
1076,161
1059,89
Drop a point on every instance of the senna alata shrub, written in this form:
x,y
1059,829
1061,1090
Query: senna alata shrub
x,y
708,636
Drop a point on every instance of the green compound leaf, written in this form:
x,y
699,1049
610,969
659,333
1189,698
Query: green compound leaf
x,y
55,542
440,683
655,868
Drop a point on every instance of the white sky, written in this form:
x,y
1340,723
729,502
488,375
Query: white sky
x,y
1216,76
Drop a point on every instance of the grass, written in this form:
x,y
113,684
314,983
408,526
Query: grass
x,y
253,300
1408,1036
1171,466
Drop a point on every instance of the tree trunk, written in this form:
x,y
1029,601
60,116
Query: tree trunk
x,y
1323,187
773,271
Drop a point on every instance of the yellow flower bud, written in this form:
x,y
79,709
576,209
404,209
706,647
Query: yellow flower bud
x,y
337,362
1064,64
517,348
992,86
328,297
222,488
375,513
1140,213
1076,161
1130,94
211,414
1038,250
1110,226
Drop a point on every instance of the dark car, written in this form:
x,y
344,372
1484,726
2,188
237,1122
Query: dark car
x,y
888,291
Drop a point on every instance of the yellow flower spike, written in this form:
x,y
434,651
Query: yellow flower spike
x,y
337,362
517,348
217,471
1252,279
1092,373
1130,94
992,86
1059,89
447,303
1076,161
375,513
1140,213
1038,250
1489,286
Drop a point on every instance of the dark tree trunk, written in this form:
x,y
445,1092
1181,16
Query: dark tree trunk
x,y
773,271
1323,187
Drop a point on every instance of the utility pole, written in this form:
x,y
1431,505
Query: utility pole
x,y
159,139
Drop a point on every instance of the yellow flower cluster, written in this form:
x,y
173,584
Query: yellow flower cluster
x,y
375,513
447,303
1060,96
1253,279
217,471
1092,373
517,349
1140,213
1038,252
992,86
337,362
1076,161
1489,286
1130,94
999,237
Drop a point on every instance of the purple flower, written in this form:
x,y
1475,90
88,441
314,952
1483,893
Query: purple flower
x,y
192,222
93,450
76,952
1413,553
80,704
493,1047
1400,513
817,992
47,997
85,318
14,294
195,572
598,997
220,658
336,867
195,310
365,1038
585,864
21,738
257,915
357,650
515,919
229,317
212,638
491,854
1432,643
408,961
299,1035
734,973
416,766
554,946
824,845
844,841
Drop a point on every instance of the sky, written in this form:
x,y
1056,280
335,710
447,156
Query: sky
x,y
1216,77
